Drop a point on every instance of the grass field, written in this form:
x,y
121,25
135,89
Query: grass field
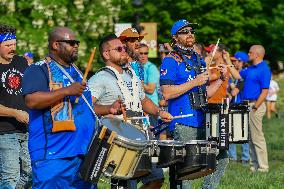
x,y
238,176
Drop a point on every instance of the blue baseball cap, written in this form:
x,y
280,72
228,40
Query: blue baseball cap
x,y
29,54
242,56
181,24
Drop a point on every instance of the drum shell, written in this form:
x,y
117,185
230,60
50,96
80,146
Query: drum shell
x,y
144,166
200,160
169,153
239,124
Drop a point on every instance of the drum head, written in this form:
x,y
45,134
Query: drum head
x,y
123,129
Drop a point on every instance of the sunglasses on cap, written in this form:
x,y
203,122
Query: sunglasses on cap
x,y
72,43
132,39
118,49
186,31
144,53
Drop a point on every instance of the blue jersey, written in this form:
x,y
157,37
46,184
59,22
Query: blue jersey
x,y
175,72
43,143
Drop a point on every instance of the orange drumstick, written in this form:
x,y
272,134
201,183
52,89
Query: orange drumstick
x,y
88,68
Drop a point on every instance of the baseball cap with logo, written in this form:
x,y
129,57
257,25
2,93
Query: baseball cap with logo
x,y
178,25
242,56
130,33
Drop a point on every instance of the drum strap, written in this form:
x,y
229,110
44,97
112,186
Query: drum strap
x,y
224,132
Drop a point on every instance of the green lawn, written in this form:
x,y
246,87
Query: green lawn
x,y
238,176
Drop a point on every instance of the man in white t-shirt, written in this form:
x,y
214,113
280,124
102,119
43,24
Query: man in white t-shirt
x,y
272,98
117,80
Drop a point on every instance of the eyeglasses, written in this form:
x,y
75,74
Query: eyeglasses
x,y
119,49
186,31
144,53
72,43
132,39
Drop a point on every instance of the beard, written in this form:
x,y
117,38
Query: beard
x,y
134,55
69,57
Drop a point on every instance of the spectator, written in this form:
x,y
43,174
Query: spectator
x,y
15,170
151,79
29,57
272,98
257,79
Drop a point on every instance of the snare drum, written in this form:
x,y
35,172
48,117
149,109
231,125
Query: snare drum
x,y
169,152
126,149
212,118
200,160
239,123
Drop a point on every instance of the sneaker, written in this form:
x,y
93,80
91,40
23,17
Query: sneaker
x,y
262,170
252,169
232,160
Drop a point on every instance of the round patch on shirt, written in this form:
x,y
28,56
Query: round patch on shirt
x,y
11,81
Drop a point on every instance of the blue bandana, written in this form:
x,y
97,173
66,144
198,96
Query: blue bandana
x,y
6,37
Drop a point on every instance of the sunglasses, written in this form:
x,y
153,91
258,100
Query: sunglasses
x,y
144,53
132,39
119,49
72,43
186,31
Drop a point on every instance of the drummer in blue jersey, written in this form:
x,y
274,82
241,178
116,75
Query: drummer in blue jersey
x,y
60,130
183,83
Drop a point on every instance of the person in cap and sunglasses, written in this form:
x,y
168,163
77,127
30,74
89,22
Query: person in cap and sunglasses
x,y
131,38
116,87
60,129
15,171
183,80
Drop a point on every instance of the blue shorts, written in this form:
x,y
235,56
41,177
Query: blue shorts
x,y
58,174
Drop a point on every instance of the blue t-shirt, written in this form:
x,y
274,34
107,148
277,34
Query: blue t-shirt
x,y
257,77
43,144
174,73
152,75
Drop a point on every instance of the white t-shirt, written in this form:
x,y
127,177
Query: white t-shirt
x,y
104,88
272,92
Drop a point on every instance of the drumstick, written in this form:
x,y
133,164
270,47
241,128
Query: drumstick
x,y
134,118
213,54
88,68
183,116
213,67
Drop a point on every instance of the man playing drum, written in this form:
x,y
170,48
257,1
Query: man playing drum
x,y
182,83
115,85
60,130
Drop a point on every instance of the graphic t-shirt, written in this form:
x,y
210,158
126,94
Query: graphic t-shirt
x,y
11,76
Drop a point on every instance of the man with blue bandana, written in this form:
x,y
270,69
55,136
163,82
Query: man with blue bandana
x,y
60,129
182,79
15,167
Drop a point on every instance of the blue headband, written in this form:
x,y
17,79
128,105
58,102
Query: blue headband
x,y
6,37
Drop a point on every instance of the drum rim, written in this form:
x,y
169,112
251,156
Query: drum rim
x,y
165,142
200,142
127,140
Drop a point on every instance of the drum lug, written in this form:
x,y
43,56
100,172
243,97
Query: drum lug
x,y
158,151
183,152
110,169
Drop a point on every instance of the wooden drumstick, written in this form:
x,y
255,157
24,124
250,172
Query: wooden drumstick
x,y
123,111
88,68
183,116
213,54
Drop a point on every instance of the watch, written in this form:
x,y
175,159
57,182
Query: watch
x,y
254,107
